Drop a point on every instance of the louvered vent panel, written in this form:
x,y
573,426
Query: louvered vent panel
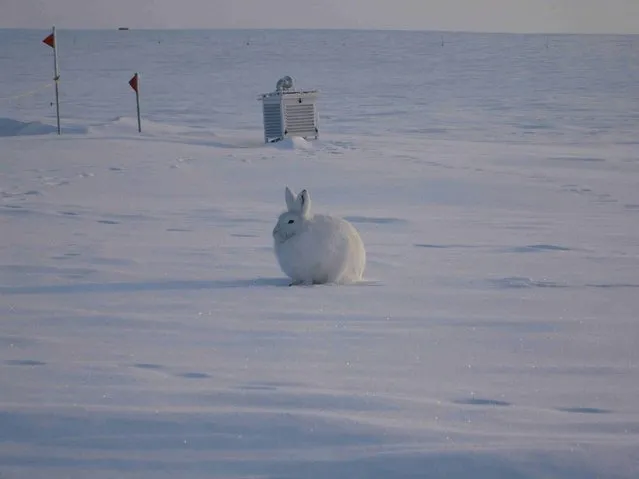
x,y
273,120
300,119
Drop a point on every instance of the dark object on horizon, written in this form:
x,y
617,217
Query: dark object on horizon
x,y
123,28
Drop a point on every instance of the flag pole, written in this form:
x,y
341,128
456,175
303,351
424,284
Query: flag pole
x,y
135,84
52,41
137,102
56,78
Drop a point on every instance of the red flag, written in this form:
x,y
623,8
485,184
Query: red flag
x,y
50,40
134,82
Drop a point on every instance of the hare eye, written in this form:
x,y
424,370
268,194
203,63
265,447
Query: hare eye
x,y
291,221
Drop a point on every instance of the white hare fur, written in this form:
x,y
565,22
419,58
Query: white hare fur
x,y
317,249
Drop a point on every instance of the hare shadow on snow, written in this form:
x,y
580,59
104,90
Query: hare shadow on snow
x,y
151,286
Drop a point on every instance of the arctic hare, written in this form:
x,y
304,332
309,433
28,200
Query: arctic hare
x,y
316,249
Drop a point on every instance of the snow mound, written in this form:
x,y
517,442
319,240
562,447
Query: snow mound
x,y
294,143
120,124
10,127
128,126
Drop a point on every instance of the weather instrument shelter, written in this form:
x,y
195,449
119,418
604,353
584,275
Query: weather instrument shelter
x,y
289,112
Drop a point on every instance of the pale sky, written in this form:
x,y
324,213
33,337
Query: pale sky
x,y
544,16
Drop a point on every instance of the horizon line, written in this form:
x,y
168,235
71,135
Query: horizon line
x,y
124,28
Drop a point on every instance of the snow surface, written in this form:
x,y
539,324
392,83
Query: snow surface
x,y
147,331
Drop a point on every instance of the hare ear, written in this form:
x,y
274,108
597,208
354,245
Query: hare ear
x,y
290,199
304,202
